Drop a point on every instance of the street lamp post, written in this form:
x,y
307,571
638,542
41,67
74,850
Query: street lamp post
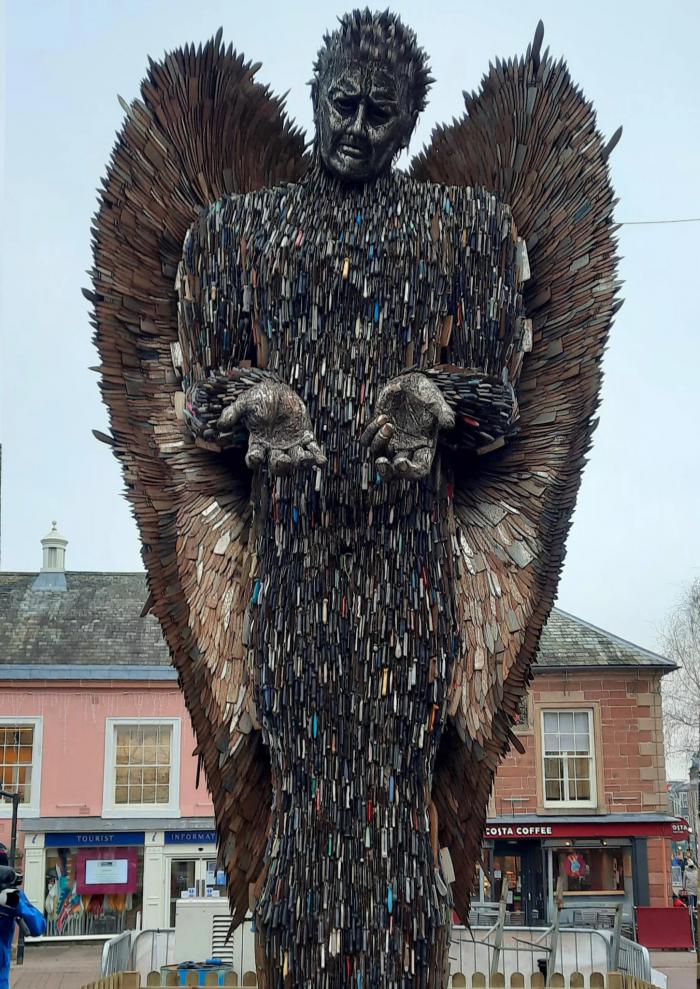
x,y
15,797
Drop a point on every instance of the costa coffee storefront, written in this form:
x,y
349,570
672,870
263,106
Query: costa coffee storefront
x,y
603,861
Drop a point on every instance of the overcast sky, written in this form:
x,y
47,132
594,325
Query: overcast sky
x,y
635,541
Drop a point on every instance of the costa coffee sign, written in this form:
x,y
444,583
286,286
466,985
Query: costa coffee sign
x,y
519,831
596,828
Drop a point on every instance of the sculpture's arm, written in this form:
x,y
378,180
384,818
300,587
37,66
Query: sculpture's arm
x,y
485,408
249,404
416,410
236,403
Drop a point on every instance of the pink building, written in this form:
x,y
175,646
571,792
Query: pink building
x,y
95,734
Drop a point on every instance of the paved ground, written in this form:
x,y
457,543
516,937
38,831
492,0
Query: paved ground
x,y
58,966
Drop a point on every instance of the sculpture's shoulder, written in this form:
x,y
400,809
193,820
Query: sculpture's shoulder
x,y
474,205
241,211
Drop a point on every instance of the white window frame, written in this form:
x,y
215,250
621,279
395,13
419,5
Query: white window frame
x,y
593,800
109,806
33,808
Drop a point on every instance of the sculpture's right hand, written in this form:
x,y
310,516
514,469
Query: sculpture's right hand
x,y
279,426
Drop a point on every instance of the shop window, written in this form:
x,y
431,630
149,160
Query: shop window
x,y
592,870
20,763
481,885
92,890
142,767
568,758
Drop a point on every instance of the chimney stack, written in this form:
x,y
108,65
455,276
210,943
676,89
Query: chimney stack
x,y
52,576
54,547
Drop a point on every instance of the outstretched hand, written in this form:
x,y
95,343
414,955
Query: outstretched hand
x,y
279,426
402,437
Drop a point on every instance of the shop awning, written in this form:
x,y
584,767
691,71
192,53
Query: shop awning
x,y
522,827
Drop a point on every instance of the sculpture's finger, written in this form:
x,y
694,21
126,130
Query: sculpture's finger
x,y
299,455
372,430
235,411
256,454
416,466
381,442
317,454
384,468
280,463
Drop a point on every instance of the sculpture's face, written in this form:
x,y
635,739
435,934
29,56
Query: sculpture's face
x,y
363,118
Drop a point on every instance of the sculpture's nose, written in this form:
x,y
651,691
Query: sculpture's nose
x,y
359,120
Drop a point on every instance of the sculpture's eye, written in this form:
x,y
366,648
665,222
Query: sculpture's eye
x,y
345,105
378,113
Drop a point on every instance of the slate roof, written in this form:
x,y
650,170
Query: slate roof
x,y
96,622
570,641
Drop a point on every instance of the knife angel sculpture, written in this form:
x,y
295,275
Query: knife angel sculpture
x,y
352,414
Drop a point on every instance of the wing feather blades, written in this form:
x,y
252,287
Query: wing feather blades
x,y
530,136
202,128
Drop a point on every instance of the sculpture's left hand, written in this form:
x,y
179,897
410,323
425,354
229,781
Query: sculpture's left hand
x,y
402,437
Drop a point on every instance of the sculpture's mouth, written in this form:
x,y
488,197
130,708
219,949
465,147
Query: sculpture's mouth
x,y
353,150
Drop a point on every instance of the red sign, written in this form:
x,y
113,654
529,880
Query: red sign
x,y
664,928
106,870
677,830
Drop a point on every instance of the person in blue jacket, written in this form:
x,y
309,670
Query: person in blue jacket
x,y
14,907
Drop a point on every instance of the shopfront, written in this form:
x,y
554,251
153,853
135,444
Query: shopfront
x,y
598,863
101,882
93,882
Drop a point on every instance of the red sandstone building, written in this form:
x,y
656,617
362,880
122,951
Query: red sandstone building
x,y
94,733
587,800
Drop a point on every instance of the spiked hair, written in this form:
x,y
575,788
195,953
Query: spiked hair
x,y
380,37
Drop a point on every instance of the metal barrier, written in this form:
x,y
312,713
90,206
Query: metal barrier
x,y
504,951
151,949
566,950
499,950
634,959
116,954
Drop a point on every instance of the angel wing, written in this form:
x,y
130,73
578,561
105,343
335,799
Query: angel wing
x,y
530,136
202,128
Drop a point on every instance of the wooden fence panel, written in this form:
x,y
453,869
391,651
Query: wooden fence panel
x,y
480,980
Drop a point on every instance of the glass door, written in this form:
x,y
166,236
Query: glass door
x,y
196,876
509,868
533,885
182,880
214,879
520,864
